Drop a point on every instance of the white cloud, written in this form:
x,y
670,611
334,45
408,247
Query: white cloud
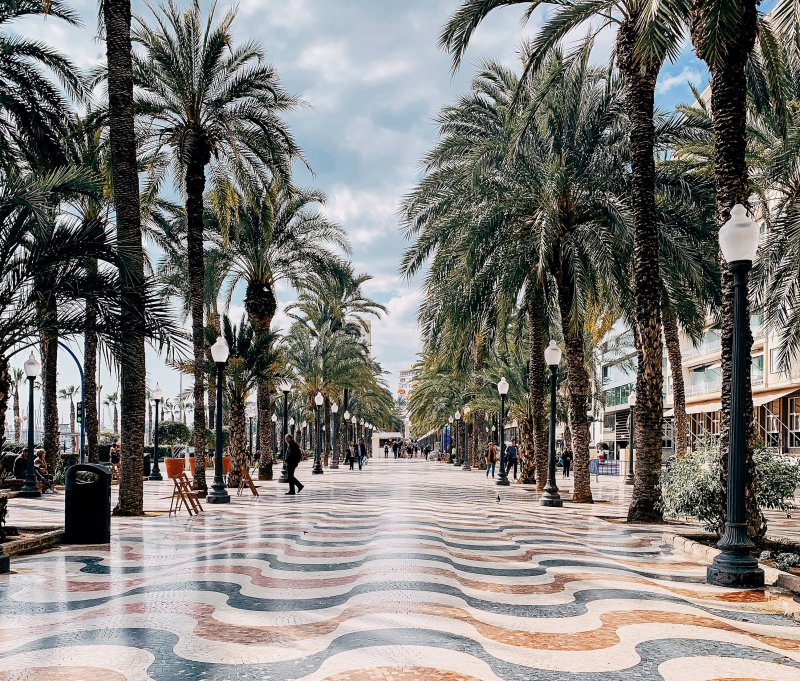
x,y
365,214
688,74
286,14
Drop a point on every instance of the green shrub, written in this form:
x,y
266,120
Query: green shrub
x,y
786,561
173,433
690,487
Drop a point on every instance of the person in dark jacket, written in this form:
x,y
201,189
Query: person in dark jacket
x,y
292,461
361,452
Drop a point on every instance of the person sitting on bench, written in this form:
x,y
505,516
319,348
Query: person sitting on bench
x,y
40,466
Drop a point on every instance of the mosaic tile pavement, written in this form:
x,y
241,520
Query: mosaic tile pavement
x,y
407,570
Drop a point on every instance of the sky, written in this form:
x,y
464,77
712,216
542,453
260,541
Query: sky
x,y
374,79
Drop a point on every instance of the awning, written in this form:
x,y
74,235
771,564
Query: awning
x,y
703,407
766,398
669,413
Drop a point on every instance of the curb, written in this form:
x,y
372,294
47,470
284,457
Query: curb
x,y
706,554
41,541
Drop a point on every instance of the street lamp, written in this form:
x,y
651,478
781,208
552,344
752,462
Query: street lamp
x,y
318,400
285,387
335,457
502,388
631,425
155,473
450,422
218,493
250,413
550,496
457,417
29,488
465,457
735,566
303,431
274,441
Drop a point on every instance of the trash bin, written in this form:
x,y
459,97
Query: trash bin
x,y
87,504
146,467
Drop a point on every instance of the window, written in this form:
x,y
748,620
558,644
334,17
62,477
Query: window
x,y
614,397
773,430
667,434
774,361
608,422
794,422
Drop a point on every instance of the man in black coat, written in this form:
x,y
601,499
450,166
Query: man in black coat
x,y
292,461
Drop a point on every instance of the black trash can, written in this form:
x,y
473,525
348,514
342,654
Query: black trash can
x,y
87,504
146,466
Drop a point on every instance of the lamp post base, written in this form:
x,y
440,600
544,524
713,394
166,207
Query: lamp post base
x,y
28,492
155,475
218,494
284,474
502,481
551,498
466,467
735,571
629,479
334,464
5,563
317,470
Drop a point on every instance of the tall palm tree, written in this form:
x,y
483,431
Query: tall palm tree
x,y
17,379
69,393
554,214
112,402
281,236
125,183
210,105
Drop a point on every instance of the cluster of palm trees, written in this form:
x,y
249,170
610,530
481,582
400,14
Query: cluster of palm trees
x,y
198,118
559,200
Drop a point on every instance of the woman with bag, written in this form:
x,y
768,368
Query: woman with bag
x,y
491,459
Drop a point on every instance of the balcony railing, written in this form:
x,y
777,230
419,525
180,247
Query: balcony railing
x,y
704,387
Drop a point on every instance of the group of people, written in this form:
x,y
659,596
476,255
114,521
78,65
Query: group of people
x,y
411,449
512,458
43,476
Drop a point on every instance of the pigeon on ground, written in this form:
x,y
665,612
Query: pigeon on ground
x,y
498,498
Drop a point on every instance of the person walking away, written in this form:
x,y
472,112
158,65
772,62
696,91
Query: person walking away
x,y
512,457
566,457
386,451
351,454
362,452
491,459
427,451
293,457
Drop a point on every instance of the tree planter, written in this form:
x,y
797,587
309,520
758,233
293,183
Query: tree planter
x,y
174,467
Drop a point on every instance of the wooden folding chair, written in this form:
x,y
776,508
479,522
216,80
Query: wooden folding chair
x,y
183,493
245,479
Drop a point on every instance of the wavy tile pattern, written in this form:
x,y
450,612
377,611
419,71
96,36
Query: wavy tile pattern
x,y
403,571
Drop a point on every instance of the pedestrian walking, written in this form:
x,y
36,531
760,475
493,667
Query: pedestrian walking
x,y
491,459
386,451
566,459
292,461
512,457
427,451
351,455
361,452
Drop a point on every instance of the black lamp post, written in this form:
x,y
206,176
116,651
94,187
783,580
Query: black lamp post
x,y
218,493
274,421
450,434
29,488
251,412
550,496
629,477
155,472
502,388
465,456
318,400
285,388
735,566
457,418
347,417
335,419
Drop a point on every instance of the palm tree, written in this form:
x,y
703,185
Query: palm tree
x,y
69,393
282,236
111,401
224,117
125,183
553,215
17,379
253,358
644,40
32,106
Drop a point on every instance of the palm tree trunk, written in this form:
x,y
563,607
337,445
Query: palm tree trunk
x,y
116,419
117,16
5,391
238,428
264,406
91,425
17,421
578,389
195,184
673,343
729,125
49,346
639,84
535,467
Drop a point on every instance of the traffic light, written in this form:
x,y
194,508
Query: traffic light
x,y
79,412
